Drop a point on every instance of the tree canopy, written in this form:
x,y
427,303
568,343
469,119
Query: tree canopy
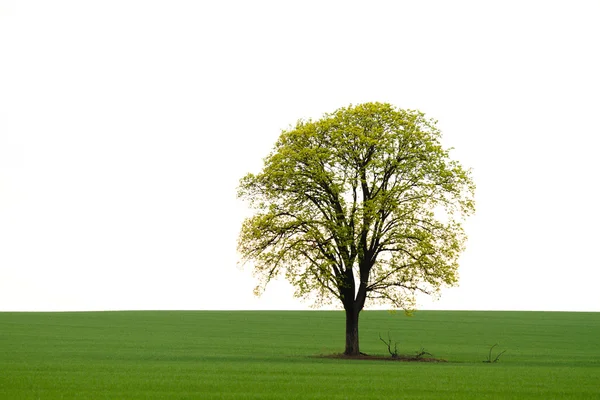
x,y
361,205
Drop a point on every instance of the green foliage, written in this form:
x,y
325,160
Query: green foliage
x,y
269,355
363,203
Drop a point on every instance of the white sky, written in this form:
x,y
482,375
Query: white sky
x,y
126,125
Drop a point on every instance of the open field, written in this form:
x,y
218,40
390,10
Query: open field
x,y
268,355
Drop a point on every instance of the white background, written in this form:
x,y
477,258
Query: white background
x,y
126,125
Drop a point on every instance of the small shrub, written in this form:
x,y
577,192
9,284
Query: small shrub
x,y
394,353
422,353
489,359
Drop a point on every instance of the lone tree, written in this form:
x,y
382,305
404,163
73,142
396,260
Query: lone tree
x,y
363,204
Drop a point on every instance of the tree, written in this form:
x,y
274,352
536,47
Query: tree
x,y
363,204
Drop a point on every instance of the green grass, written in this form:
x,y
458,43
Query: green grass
x,y
268,355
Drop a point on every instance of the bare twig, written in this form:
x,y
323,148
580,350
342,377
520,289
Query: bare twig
x,y
388,343
489,359
422,352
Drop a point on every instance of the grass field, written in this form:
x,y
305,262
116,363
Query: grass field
x,y
269,355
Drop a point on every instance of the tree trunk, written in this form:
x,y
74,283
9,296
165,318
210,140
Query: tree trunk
x,y
352,331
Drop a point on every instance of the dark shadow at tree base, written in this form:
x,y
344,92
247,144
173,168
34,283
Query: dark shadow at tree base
x,y
367,357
